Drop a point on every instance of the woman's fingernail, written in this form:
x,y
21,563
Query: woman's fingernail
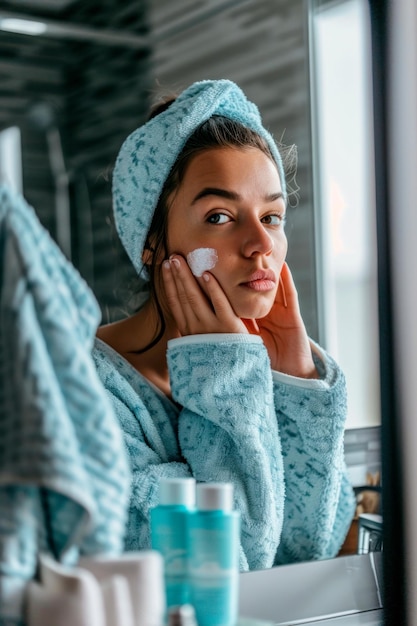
x,y
175,262
167,265
206,277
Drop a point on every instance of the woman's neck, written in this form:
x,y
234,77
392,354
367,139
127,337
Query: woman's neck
x,y
131,337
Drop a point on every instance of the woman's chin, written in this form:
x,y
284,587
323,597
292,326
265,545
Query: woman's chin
x,y
253,312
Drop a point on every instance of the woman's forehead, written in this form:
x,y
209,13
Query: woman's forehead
x,y
235,166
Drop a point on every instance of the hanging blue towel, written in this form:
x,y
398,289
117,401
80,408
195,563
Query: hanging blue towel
x,y
64,477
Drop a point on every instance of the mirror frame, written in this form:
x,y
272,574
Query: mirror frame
x,y
394,589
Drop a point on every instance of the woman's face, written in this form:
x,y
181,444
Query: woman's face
x,y
230,202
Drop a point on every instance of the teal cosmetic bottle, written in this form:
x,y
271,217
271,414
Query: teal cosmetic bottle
x,y
213,549
169,535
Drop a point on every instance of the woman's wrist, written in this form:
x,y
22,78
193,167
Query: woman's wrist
x,y
305,370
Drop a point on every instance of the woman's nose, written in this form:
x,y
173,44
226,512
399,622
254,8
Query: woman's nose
x,y
256,240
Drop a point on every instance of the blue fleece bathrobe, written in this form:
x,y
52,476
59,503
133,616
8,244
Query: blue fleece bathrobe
x,y
278,438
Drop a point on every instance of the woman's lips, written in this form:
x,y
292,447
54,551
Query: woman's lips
x,y
261,280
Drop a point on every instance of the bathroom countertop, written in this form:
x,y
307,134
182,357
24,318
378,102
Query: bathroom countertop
x,y
345,591
365,618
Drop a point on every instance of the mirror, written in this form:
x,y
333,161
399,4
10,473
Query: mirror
x,y
80,78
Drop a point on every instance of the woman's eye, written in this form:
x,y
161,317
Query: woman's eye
x,y
274,220
218,218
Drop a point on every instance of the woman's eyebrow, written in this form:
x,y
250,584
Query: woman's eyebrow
x,y
231,195
274,196
216,191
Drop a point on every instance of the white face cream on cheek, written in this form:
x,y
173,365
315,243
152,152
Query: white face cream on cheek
x,y
201,260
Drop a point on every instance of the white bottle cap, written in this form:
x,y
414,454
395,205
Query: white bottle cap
x,y
214,497
177,491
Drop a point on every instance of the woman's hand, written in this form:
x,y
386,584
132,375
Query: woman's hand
x,y
195,312
283,332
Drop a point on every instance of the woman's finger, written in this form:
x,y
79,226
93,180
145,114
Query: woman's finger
x,y
188,303
171,293
198,309
221,305
189,293
287,291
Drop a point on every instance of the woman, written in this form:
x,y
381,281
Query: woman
x,y
215,376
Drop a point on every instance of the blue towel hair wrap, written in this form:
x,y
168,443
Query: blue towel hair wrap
x,y
149,153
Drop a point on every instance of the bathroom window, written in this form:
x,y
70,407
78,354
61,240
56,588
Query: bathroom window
x,y
11,158
345,205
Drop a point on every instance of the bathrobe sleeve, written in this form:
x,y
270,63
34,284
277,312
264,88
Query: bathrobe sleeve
x,y
319,503
228,431
284,452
